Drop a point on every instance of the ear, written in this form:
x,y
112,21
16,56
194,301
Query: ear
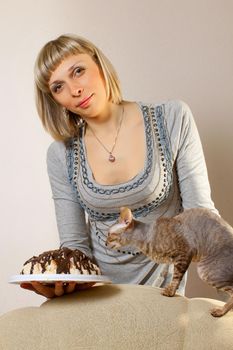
x,y
126,216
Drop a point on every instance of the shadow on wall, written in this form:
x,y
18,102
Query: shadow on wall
x,y
196,288
218,150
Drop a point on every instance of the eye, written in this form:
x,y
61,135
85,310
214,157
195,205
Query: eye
x,y
78,70
57,88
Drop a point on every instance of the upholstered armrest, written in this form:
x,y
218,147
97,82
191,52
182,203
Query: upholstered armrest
x,y
117,317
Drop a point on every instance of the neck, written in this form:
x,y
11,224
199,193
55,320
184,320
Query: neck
x,y
141,235
106,122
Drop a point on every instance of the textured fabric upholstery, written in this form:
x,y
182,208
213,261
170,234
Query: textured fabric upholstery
x,y
117,317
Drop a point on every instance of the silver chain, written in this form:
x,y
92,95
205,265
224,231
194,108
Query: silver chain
x,y
116,137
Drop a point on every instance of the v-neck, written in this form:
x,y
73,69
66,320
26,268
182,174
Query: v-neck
x,y
134,178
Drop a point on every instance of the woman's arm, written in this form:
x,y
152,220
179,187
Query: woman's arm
x,y
189,159
70,217
71,222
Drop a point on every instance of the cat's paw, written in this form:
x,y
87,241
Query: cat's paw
x,y
217,312
168,291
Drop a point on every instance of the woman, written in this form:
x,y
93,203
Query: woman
x,y
111,153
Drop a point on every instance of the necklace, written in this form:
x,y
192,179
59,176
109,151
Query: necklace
x,y
111,157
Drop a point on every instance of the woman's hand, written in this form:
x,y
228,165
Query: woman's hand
x,y
55,290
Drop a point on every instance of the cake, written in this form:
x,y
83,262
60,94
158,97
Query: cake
x,y
60,261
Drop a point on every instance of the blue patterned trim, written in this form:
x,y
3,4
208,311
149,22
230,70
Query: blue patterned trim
x,y
161,135
154,120
73,166
124,188
72,157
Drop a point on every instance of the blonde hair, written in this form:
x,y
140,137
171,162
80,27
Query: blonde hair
x,y
49,58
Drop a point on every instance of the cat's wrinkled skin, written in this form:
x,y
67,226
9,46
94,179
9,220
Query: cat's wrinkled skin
x,y
195,235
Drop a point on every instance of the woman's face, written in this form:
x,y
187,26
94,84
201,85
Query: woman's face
x,y
78,85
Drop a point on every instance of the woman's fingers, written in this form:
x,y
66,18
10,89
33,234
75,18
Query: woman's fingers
x,y
27,286
57,289
46,291
70,287
82,286
36,287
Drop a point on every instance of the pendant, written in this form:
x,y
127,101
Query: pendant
x,y
111,158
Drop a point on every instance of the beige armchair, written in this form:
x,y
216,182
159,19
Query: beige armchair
x,y
117,317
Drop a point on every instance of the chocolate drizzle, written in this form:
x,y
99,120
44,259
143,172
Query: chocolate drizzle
x,y
64,259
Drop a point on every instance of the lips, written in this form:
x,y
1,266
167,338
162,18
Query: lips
x,y
85,102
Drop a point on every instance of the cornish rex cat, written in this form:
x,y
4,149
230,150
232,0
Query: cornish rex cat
x,y
194,235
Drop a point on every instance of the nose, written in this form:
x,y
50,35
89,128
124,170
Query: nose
x,y
76,91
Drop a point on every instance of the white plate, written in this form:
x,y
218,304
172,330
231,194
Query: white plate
x,y
50,278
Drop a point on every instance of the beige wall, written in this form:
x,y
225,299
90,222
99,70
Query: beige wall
x,y
161,49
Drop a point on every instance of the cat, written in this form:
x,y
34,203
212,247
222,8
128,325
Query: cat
x,y
196,234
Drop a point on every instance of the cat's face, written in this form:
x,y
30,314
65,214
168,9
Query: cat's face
x,y
119,233
117,236
115,241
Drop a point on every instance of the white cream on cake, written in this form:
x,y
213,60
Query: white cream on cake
x,y
61,261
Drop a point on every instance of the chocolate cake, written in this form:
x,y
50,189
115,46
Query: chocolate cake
x,y
64,260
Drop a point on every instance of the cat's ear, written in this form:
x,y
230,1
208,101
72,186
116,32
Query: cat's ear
x,y
126,216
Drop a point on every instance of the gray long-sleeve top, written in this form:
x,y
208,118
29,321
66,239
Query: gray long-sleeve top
x,y
174,178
